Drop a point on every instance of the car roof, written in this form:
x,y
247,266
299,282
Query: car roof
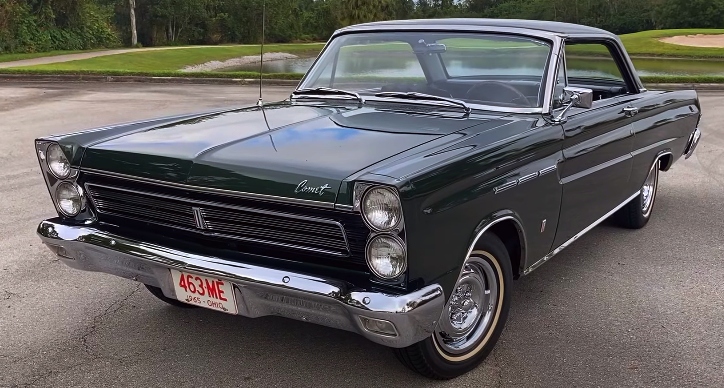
x,y
467,24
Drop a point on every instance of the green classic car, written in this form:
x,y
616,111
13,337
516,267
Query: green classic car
x,y
418,169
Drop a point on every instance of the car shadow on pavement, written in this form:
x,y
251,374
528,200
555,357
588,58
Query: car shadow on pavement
x,y
563,319
258,351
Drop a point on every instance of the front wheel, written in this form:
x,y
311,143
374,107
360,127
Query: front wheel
x,y
472,319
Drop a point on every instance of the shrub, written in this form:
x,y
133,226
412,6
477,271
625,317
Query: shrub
x,y
36,27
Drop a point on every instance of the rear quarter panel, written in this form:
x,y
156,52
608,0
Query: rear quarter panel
x,y
663,124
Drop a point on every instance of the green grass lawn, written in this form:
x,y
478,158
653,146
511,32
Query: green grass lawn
x,y
646,43
173,59
21,56
157,73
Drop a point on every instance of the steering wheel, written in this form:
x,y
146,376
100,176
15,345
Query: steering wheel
x,y
506,87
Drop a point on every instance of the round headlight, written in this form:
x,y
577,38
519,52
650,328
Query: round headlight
x,y
57,162
381,209
68,199
386,256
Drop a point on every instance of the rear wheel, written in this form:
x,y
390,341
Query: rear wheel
x,y
473,318
636,214
158,293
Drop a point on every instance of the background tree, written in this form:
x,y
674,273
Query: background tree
x,y
134,33
42,25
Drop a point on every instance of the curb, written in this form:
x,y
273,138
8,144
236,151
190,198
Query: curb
x,y
698,87
142,79
251,81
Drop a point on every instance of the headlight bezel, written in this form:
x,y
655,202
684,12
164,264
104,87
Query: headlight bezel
x,y
87,214
398,226
46,157
397,233
78,190
396,239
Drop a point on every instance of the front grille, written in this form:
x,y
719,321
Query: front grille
x,y
279,229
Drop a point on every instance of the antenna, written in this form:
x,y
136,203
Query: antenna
x,y
261,59
260,103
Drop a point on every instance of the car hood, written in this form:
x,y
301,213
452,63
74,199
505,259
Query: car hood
x,y
285,150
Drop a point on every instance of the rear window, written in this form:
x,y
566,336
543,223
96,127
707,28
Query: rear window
x,y
489,55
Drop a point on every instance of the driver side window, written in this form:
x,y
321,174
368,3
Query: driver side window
x,y
594,66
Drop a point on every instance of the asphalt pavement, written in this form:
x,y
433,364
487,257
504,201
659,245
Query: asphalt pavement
x,y
618,308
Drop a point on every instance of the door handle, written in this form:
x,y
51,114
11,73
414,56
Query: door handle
x,y
630,111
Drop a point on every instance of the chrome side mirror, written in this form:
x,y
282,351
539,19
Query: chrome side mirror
x,y
578,97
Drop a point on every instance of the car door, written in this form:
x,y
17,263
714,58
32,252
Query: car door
x,y
597,160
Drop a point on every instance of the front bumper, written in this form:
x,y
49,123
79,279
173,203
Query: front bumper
x,y
260,291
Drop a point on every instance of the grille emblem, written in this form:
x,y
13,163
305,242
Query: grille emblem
x,y
199,218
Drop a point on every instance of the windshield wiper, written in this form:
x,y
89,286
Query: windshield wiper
x,y
423,96
327,92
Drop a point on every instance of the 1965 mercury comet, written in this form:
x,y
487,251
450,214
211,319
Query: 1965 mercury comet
x,y
418,168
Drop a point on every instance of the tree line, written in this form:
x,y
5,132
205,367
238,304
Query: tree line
x,y
43,25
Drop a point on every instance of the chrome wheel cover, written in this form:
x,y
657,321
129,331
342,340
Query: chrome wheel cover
x,y
468,315
648,191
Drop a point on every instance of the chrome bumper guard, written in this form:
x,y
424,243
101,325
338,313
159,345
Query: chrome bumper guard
x,y
692,143
260,291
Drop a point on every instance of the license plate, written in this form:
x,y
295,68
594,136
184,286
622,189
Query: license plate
x,y
203,291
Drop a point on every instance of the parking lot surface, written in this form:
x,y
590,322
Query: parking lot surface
x,y
618,308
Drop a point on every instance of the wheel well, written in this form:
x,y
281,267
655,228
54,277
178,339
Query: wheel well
x,y
666,161
507,231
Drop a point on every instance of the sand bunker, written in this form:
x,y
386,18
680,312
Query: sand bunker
x,y
234,62
698,40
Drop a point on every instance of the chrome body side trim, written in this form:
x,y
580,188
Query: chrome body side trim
x,y
260,291
548,169
650,147
505,186
593,225
231,193
596,168
346,208
577,236
528,177
523,179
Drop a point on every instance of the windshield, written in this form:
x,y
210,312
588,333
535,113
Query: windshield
x,y
476,68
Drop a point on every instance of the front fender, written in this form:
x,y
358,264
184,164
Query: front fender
x,y
499,217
